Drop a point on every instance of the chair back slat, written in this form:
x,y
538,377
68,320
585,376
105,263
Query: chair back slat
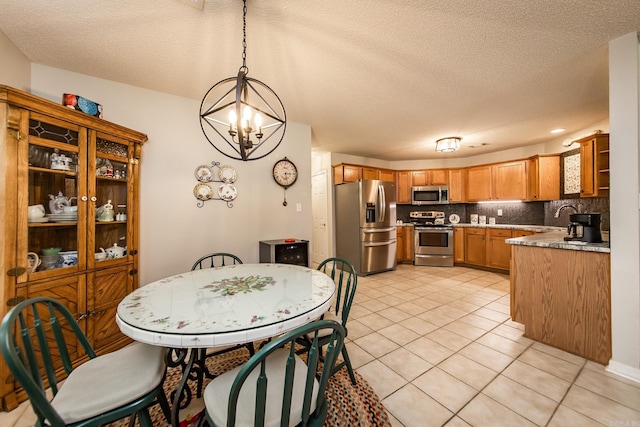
x,y
45,351
345,278
216,259
288,342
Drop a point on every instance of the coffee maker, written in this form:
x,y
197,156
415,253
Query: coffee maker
x,y
584,227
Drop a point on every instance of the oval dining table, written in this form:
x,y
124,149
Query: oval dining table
x,y
217,307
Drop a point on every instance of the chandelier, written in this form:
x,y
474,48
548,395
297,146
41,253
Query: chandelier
x,y
448,144
242,117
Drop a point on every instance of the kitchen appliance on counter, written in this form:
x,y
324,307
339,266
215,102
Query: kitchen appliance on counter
x,y
366,225
584,227
433,239
430,195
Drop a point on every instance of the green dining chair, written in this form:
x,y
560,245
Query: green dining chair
x,y
39,338
216,259
275,387
344,275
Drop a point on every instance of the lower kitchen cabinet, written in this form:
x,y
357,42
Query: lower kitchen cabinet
x,y
404,238
474,246
498,253
458,245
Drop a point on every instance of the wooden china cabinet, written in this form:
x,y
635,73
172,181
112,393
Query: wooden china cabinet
x,y
103,167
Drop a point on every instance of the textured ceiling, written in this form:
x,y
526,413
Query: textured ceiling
x,y
381,79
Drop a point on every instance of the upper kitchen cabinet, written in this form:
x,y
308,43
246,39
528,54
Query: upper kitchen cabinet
x,y
69,188
346,173
543,180
509,180
457,185
479,183
429,177
403,187
594,165
343,173
500,181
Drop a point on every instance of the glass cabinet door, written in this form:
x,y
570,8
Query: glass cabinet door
x,y
110,183
52,167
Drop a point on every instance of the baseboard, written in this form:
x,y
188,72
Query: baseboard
x,y
624,371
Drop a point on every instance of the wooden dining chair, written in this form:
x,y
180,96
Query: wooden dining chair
x,y
39,338
275,387
216,259
346,280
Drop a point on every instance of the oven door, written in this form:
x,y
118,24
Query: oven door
x,y
433,241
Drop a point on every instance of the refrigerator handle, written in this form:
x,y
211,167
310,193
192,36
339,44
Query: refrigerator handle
x,y
375,244
378,230
382,203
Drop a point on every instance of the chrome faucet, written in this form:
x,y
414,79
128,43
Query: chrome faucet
x,y
557,214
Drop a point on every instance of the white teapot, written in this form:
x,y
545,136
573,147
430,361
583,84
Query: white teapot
x,y
115,251
58,203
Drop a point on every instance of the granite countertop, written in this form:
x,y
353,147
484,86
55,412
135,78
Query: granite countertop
x,y
555,239
535,228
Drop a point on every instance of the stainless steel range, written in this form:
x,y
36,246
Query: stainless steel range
x,y
433,244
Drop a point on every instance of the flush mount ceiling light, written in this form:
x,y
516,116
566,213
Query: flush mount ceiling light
x,y
448,144
242,117
558,130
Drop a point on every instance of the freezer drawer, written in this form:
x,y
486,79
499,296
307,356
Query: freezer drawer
x,y
377,234
377,256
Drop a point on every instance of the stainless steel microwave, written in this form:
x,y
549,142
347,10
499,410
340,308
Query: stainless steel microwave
x,y
430,195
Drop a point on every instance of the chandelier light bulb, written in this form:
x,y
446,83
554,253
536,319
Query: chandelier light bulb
x,y
232,118
258,121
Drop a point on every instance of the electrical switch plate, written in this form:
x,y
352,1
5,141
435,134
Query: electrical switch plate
x,y
298,207
499,212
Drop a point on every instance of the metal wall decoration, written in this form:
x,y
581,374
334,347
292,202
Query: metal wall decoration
x,y
215,180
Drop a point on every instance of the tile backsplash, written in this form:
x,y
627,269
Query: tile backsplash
x,y
522,213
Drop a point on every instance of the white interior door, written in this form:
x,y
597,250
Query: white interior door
x,y
319,239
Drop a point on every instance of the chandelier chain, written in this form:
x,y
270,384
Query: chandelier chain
x,y
244,38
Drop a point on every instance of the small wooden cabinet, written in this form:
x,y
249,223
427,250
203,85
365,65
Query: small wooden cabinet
x,y
429,177
387,175
475,246
498,253
509,181
479,183
343,173
404,237
458,245
403,187
543,177
103,169
594,165
457,185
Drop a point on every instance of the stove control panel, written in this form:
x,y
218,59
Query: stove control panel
x,y
426,214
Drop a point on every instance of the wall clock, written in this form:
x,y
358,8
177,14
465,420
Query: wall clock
x,y
285,174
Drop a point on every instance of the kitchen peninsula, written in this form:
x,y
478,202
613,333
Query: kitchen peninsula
x,y
561,292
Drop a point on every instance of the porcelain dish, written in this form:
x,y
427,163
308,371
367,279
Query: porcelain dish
x,y
227,174
454,218
227,192
203,173
203,191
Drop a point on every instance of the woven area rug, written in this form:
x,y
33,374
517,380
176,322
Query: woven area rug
x,y
349,405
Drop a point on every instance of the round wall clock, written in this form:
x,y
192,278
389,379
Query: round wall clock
x,y
285,174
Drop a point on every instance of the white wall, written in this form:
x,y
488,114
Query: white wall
x,y
16,68
624,107
174,231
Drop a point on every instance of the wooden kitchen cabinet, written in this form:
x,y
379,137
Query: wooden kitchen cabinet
x,y
370,173
343,173
403,187
509,181
498,253
563,298
387,175
479,183
430,177
475,246
458,245
543,177
104,168
594,165
457,184
404,237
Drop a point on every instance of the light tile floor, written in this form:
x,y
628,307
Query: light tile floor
x,y
439,348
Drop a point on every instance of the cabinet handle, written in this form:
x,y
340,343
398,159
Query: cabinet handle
x,y
84,198
94,198
133,251
97,313
82,316
14,301
15,272
133,272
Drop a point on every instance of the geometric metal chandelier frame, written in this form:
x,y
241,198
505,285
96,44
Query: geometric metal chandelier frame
x,y
241,117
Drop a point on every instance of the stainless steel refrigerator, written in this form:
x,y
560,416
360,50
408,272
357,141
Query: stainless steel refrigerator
x,y
366,225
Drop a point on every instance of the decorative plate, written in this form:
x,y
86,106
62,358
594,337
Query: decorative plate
x,y
204,173
202,191
454,218
227,192
227,174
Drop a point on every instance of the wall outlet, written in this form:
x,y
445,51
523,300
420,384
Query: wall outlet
x,y
499,212
298,207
